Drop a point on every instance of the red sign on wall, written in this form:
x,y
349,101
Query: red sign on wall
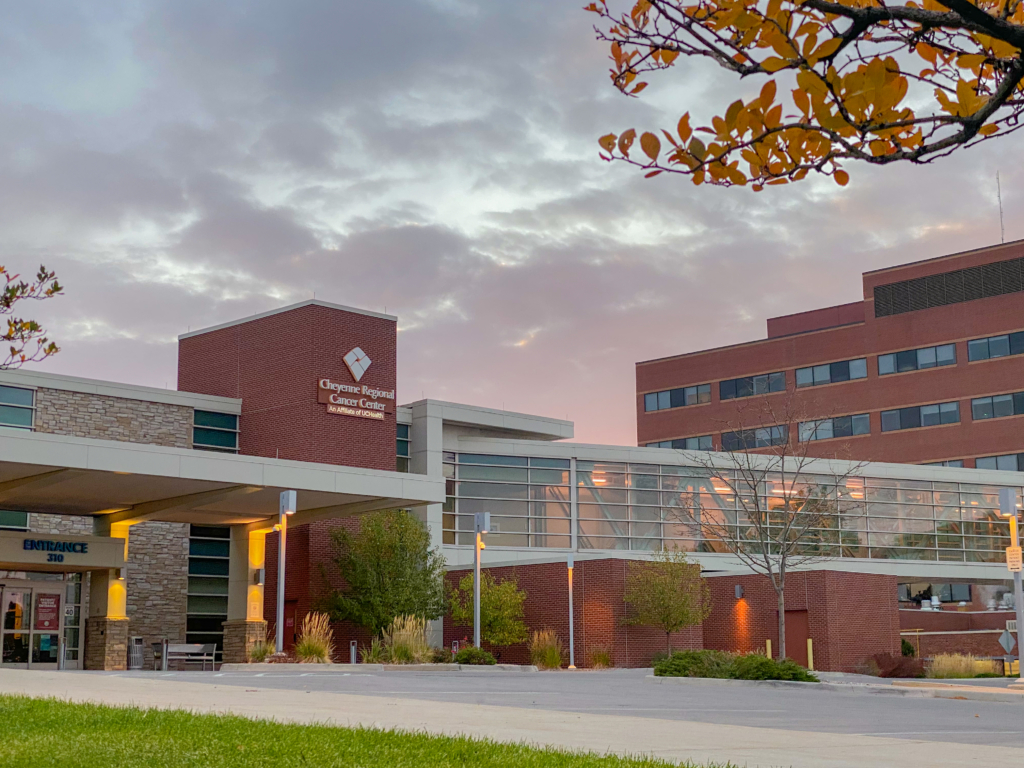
x,y
48,611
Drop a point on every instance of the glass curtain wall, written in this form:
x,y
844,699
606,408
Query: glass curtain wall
x,y
649,507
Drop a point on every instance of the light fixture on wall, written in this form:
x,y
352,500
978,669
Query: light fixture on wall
x,y
739,591
258,576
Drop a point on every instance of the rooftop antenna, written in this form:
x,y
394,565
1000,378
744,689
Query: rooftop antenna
x,y
999,197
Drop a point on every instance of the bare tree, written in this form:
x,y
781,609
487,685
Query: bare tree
x,y
767,501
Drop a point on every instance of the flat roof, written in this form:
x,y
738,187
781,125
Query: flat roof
x,y
59,474
289,308
995,247
520,425
38,379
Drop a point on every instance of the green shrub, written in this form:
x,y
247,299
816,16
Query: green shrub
x,y
754,666
696,664
907,647
473,655
601,658
441,656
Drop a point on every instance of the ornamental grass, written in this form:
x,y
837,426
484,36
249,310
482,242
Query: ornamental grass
x,y
406,641
546,649
315,644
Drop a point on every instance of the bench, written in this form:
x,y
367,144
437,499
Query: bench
x,y
189,653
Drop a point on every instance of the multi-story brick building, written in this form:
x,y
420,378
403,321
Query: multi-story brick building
x,y
927,368
135,512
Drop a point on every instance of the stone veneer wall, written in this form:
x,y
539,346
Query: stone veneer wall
x,y
157,551
83,414
157,583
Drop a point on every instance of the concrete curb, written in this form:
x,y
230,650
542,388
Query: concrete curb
x,y
907,689
350,668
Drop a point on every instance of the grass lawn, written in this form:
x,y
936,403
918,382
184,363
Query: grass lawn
x,y
38,732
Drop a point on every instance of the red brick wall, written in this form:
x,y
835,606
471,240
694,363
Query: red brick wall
x,y
273,364
851,616
948,621
598,607
311,574
977,643
955,323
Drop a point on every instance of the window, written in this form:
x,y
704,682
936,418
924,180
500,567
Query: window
x,y
754,438
997,406
839,426
917,359
996,346
208,566
947,463
920,416
1013,462
215,431
402,448
16,407
947,593
702,443
676,398
10,519
752,385
528,497
831,373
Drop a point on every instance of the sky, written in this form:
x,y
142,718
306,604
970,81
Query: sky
x,y
185,163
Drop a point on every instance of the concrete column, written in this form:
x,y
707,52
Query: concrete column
x,y
426,458
245,624
106,628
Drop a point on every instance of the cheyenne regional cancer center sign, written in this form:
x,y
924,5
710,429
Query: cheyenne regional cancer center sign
x,y
360,400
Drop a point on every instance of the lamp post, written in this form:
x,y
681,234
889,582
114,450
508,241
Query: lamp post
x,y
572,643
288,505
481,524
1008,509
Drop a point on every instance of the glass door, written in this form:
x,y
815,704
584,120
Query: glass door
x,y
32,623
16,637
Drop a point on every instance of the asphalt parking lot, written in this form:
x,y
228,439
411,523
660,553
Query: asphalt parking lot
x,y
625,692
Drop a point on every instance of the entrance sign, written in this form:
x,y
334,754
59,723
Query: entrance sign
x,y
364,402
1014,561
47,611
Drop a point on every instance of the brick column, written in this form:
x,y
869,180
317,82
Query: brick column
x,y
239,637
106,643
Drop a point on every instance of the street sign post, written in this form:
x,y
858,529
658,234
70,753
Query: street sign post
x,y
1006,640
1014,561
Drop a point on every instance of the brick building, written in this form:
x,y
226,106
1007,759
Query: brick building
x,y
174,494
928,367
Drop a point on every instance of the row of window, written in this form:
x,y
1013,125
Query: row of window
x,y
844,370
677,398
702,443
649,507
752,385
207,601
996,346
402,442
996,406
839,426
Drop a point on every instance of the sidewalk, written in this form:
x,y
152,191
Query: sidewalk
x,y
674,740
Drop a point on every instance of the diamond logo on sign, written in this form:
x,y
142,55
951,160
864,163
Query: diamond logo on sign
x,y
357,362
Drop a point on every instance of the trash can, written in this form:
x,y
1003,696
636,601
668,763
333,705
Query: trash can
x,y
136,653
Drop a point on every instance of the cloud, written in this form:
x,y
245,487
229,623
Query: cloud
x,y
185,163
